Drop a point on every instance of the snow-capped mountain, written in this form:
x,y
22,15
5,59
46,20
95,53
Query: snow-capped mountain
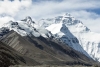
x,y
58,29
27,27
72,31
64,28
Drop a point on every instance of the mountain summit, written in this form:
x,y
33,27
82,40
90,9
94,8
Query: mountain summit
x,y
89,41
27,27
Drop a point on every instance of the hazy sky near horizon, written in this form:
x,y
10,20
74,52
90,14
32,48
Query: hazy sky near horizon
x,y
88,11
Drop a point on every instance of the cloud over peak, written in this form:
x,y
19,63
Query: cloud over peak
x,y
49,8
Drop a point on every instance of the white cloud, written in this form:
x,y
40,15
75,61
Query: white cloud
x,y
5,20
51,8
45,8
11,8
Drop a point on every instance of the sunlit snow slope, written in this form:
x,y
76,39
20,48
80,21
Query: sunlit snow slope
x,y
61,26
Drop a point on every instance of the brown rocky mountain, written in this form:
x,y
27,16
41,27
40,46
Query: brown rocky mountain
x,y
39,50
8,56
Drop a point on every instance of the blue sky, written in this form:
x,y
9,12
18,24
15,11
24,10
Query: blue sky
x,y
88,11
97,11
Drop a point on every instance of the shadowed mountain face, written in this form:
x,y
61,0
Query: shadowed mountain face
x,y
45,51
9,56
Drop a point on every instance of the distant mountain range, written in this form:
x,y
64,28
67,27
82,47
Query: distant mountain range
x,y
62,40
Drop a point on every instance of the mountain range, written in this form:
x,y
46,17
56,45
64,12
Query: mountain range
x,y
89,41
62,40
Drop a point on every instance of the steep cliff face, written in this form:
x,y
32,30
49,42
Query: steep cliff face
x,y
88,40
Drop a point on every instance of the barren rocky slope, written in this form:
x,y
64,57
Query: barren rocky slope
x,y
45,51
9,56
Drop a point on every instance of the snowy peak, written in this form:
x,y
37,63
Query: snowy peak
x,y
62,33
66,19
70,21
27,27
87,40
67,15
29,21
